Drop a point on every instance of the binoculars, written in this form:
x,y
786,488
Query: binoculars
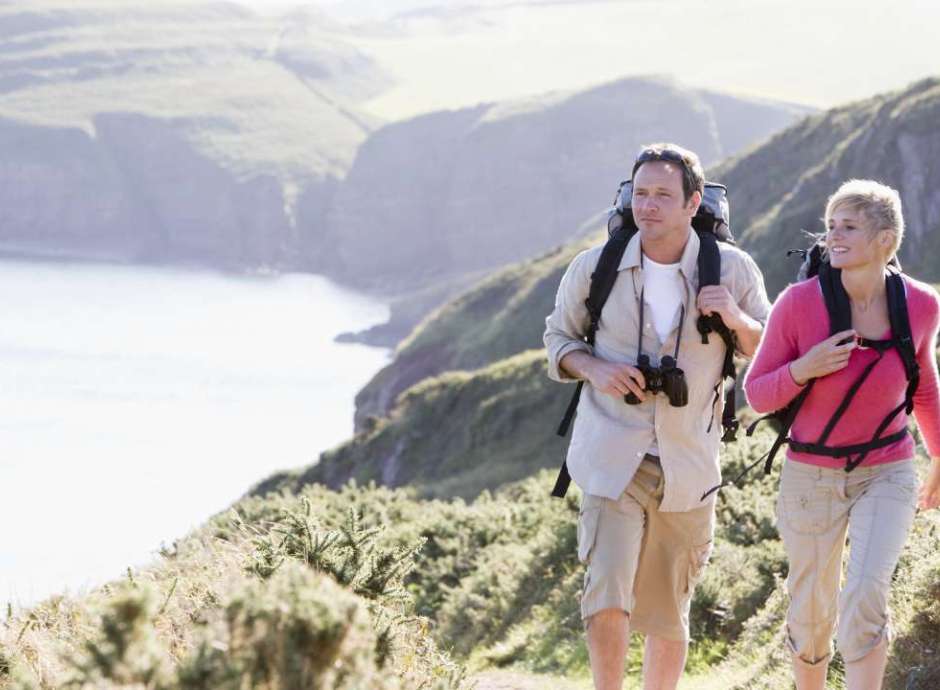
x,y
666,378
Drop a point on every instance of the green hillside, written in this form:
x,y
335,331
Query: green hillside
x,y
777,190
257,94
275,595
502,315
453,435
369,587
466,407
316,581
780,189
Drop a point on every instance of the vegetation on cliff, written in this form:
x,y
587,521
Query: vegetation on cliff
x,y
372,587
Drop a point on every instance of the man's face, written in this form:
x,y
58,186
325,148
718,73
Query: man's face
x,y
659,205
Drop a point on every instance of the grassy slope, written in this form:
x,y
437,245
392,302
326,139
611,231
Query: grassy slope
x,y
262,95
497,578
454,435
274,597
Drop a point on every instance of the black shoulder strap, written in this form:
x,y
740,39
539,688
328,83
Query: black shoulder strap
x,y
840,319
901,333
836,298
709,260
709,273
839,310
604,277
602,282
901,340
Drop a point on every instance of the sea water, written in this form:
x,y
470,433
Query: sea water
x,y
136,402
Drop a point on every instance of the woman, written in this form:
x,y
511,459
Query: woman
x,y
819,500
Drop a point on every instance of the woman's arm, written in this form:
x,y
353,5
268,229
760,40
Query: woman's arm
x,y
927,404
779,371
768,383
927,396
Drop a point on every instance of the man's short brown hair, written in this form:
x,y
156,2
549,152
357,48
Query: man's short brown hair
x,y
693,175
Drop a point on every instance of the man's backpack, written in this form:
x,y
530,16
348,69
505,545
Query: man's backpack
x,y
840,319
712,223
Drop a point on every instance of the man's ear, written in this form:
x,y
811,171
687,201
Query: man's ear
x,y
695,201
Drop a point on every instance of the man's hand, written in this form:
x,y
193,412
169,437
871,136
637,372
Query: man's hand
x,y
715,299
611,378
929,496
823,358
615,379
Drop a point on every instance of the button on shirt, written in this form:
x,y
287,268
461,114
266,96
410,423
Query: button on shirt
x,y
610,437
663,291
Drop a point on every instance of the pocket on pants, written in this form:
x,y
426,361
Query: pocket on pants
x,y
904,477
587,531
807,511
698,559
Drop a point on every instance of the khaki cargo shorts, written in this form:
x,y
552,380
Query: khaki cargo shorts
x,y
816,508
640,560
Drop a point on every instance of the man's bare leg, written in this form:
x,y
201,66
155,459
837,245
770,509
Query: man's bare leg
x,y
608,637
663,663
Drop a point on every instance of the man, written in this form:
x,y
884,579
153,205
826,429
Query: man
x,y
643,531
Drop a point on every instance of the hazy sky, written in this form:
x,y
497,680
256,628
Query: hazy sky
x,y
452,54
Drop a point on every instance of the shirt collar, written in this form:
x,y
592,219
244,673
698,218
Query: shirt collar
x,y
688,263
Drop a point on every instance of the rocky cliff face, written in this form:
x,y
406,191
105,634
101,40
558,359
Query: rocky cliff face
x,y
198,132
777,191
454,192
188,131
780,189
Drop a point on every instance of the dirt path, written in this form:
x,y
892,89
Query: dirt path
x,y
510,680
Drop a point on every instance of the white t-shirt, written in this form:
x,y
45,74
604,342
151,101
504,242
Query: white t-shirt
x,y
662,289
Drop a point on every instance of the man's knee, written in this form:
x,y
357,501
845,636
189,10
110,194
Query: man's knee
x,y
606,618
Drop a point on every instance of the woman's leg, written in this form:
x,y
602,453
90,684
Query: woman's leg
x,y
812,522
868,672
879,522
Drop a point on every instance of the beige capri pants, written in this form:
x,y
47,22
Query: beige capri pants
x,y
640,560
816,506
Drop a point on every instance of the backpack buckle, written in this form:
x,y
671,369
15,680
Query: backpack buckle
x,y
731,431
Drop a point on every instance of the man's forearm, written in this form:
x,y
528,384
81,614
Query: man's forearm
x,y
577,364
748,335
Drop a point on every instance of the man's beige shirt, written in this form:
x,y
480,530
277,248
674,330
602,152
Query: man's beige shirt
x,y
610,438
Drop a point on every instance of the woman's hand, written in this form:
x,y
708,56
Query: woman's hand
x,y
823,358
929,497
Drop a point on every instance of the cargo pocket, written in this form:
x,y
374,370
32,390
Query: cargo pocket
x,y
903,477
808,511
587,528
698,559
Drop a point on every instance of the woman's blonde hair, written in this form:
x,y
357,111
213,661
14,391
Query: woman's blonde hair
x,y
878,203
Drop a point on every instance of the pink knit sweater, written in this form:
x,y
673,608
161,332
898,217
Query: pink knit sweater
x,y
797,322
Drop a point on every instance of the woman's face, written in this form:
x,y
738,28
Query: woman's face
x,y
853,243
